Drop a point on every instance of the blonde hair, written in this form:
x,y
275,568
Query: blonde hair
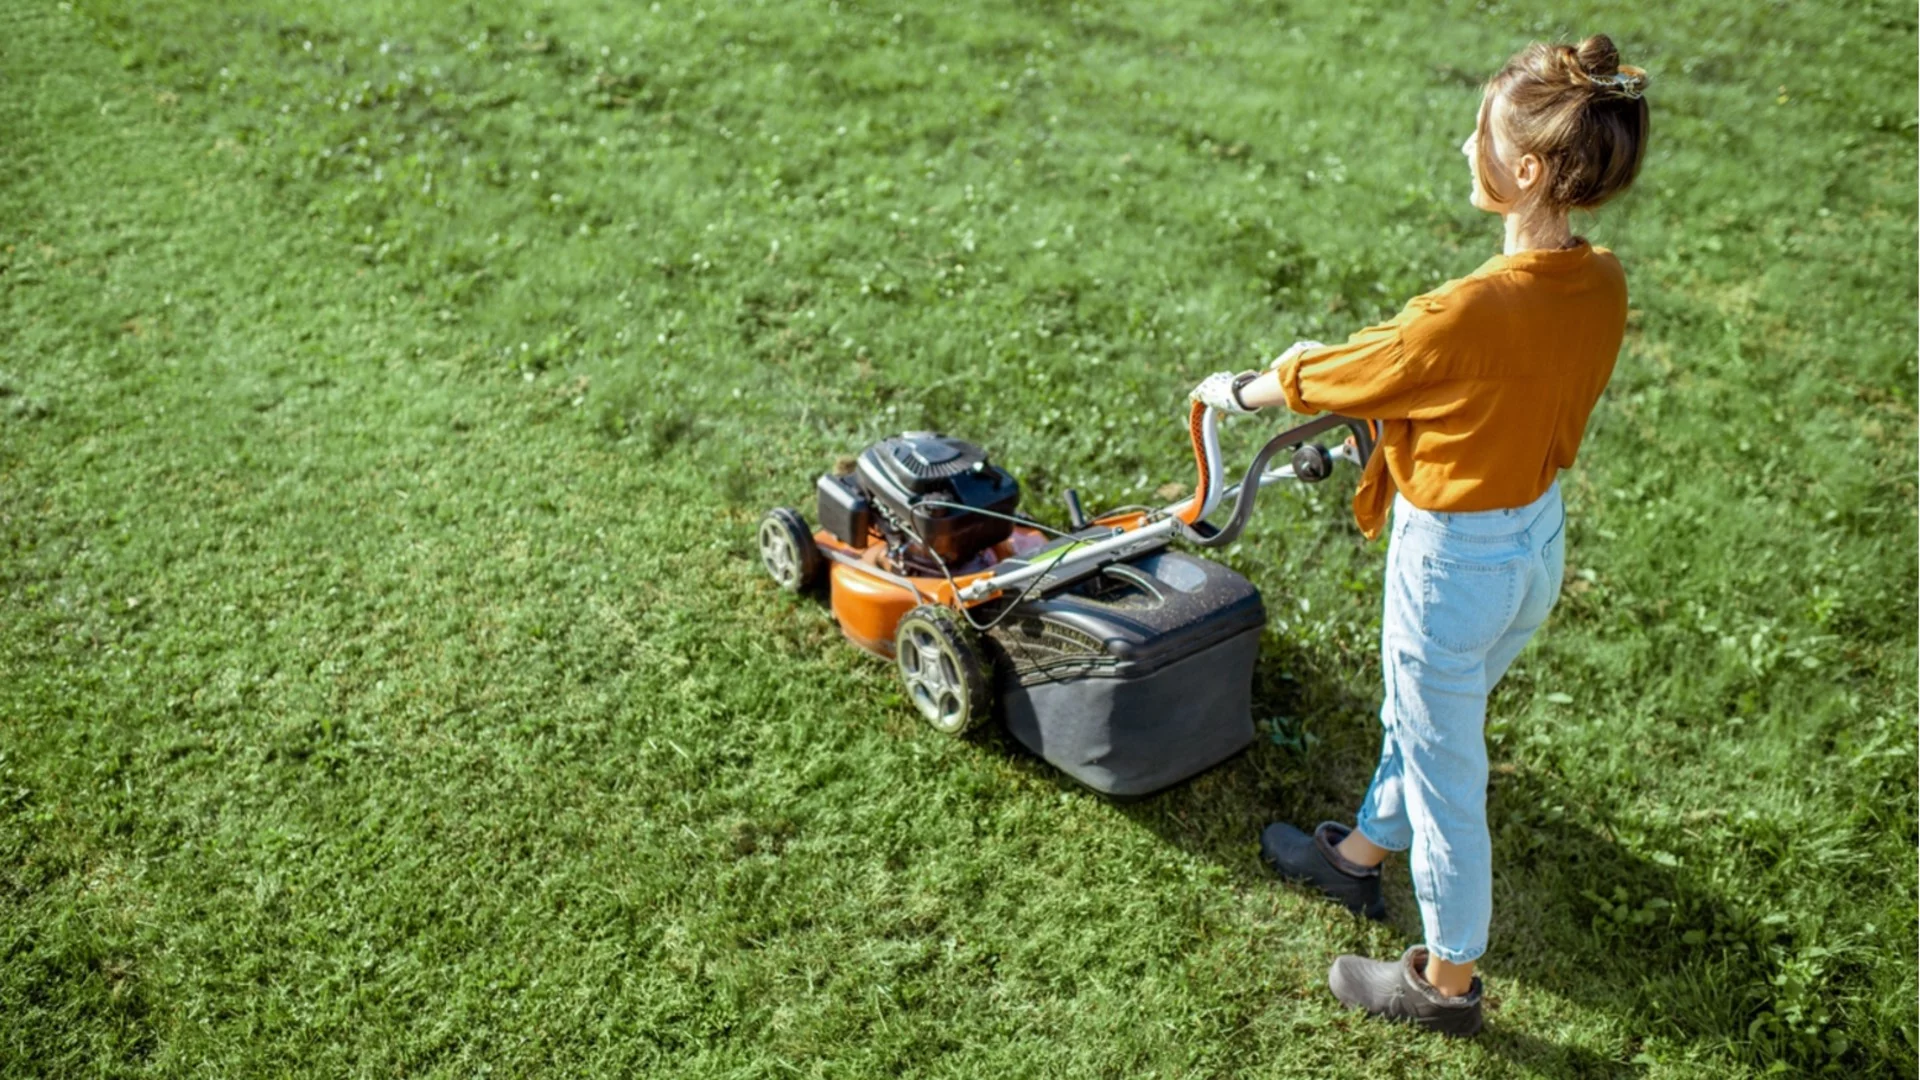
x,y
1576,109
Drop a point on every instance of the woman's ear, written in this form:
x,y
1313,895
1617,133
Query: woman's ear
x,y
1528,171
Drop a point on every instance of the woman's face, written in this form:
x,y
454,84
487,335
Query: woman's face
x,y
1510,175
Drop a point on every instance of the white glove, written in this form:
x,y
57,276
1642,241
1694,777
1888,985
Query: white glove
x,y
1294,350
1217,392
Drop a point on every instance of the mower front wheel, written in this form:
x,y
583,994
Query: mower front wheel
x,y
943,668
787,549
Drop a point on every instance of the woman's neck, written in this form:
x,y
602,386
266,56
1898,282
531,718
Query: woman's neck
x,y
1536,229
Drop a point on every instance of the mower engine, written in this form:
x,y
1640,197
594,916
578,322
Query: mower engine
x,y
936,501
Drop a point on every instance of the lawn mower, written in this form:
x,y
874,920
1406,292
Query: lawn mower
x,y
1123,662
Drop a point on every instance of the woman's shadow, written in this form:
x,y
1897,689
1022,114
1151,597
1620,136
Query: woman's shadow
x,y
1556,869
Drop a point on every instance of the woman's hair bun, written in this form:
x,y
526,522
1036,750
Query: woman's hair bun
x,y
1577,107
1597,57
1592,66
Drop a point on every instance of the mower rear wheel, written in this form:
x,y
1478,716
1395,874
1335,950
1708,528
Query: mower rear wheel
x,y
787,549
943,668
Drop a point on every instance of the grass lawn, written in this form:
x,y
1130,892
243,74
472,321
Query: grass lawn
x,y
388,392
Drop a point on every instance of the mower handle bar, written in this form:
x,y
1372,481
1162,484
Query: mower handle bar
x,y
1245,491
1124,542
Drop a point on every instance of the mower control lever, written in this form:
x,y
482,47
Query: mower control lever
x,y
1076,516
1312,463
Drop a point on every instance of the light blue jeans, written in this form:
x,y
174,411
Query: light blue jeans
x,y
1464,592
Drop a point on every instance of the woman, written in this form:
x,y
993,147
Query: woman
x,y
1482,389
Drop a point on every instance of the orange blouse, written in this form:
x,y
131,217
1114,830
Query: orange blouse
x,y
1483,386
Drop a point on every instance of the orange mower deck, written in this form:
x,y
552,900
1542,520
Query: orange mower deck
x,y
868,600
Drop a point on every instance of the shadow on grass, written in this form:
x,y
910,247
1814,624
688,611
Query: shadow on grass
x,y
1575,913
1559,877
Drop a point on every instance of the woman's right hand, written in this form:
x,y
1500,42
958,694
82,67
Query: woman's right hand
x,y
1219,392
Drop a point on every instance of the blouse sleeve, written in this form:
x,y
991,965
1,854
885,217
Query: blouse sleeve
x,y
1376,374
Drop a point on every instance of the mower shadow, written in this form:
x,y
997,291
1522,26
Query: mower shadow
x,y
1551,856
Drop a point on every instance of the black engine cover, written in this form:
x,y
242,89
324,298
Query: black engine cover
x,y
903,475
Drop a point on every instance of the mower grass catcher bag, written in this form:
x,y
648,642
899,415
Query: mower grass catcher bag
x,y
1136,677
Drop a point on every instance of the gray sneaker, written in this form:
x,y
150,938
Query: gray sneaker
x,y
1398,990
1312,860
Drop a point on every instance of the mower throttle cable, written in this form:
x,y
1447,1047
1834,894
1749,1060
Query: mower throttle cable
x,y
967,612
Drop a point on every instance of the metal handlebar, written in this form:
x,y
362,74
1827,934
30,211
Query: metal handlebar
x,y
1186,519
1249,487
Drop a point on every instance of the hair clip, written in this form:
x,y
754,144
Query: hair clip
x,y
1629,83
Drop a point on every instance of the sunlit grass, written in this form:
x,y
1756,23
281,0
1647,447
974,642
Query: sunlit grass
x,y
388,392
